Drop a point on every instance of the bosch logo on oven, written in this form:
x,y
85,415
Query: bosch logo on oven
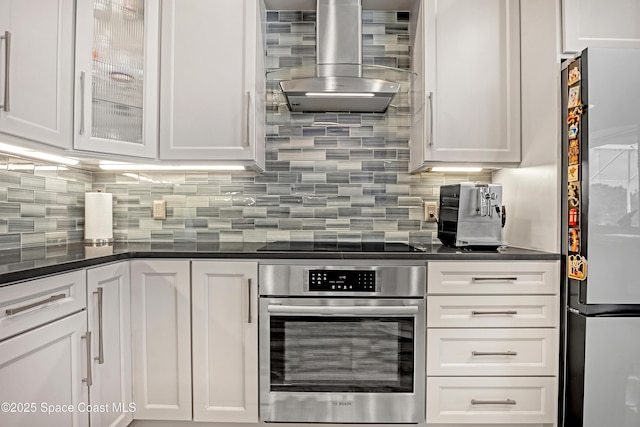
x,y
343,403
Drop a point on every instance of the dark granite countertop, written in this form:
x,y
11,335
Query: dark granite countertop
x,y
29,263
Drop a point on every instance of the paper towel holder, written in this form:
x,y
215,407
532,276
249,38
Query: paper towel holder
x,y
99,241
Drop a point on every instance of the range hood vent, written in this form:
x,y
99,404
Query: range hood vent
x,y
339,84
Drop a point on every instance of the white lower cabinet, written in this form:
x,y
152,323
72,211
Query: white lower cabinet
x,y
225,341
493,278
492,352
492,343
195,340
492,400
109,320
482,311
36,302
42,375
161,339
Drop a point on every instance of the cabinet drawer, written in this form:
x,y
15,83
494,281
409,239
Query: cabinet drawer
x,y
461,352
491,400
512,311
493,277
36,302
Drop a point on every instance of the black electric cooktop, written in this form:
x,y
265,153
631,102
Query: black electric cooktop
x,y
339,247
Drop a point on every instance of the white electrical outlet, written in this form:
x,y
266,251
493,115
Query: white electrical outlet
x,y
431,211
159,209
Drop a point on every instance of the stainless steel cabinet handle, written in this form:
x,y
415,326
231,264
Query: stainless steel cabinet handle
x,y
12,311
341,310
89,379
82,78
494,279
100,357
247,118
489,313
430,98
494,353
7,68
249,301
493,402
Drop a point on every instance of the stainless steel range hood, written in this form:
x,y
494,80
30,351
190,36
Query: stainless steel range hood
x,y
339,85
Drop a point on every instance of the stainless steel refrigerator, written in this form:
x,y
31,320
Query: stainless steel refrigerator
x,y
601,238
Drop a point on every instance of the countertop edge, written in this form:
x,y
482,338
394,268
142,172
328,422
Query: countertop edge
x,y
9,278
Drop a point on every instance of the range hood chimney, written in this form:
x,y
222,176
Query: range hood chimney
x,y
339,85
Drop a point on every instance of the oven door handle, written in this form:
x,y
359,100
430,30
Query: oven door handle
x,y
341,310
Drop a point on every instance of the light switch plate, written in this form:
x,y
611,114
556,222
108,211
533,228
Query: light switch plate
x,y
159,209
431,211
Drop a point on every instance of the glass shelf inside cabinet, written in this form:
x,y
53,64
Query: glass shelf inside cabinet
x,y
118,70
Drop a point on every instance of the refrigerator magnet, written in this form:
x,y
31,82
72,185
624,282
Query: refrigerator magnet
x,y
573,131
573,195
574,96
574,218
574,73
577,267
574,115
573,173
576,112
572,119
574,152
574,240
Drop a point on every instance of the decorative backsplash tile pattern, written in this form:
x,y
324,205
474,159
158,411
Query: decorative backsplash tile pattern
x,y
40,204
244,206
329,176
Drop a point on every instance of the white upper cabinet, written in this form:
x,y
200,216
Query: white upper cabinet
x,y
467,98
213,81
598,23
116,77
36,68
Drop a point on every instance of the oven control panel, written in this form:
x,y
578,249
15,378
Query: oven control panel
x,y
342,280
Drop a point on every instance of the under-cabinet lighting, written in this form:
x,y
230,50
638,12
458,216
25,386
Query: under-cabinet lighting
x,y
12,149
144,178
345,94
28,167
141,167
455,169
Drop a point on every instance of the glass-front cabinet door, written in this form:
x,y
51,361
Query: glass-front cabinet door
x,y
116,78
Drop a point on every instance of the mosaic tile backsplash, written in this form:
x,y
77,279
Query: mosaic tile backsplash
x,y
329,176
40,204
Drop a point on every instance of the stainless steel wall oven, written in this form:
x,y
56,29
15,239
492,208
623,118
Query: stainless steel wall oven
x,y
342,343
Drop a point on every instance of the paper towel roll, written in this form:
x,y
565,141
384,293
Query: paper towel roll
x,y
98,217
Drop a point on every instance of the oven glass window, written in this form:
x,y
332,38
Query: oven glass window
x,y
342,354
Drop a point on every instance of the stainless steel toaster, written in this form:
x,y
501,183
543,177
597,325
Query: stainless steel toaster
x,y
471,215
